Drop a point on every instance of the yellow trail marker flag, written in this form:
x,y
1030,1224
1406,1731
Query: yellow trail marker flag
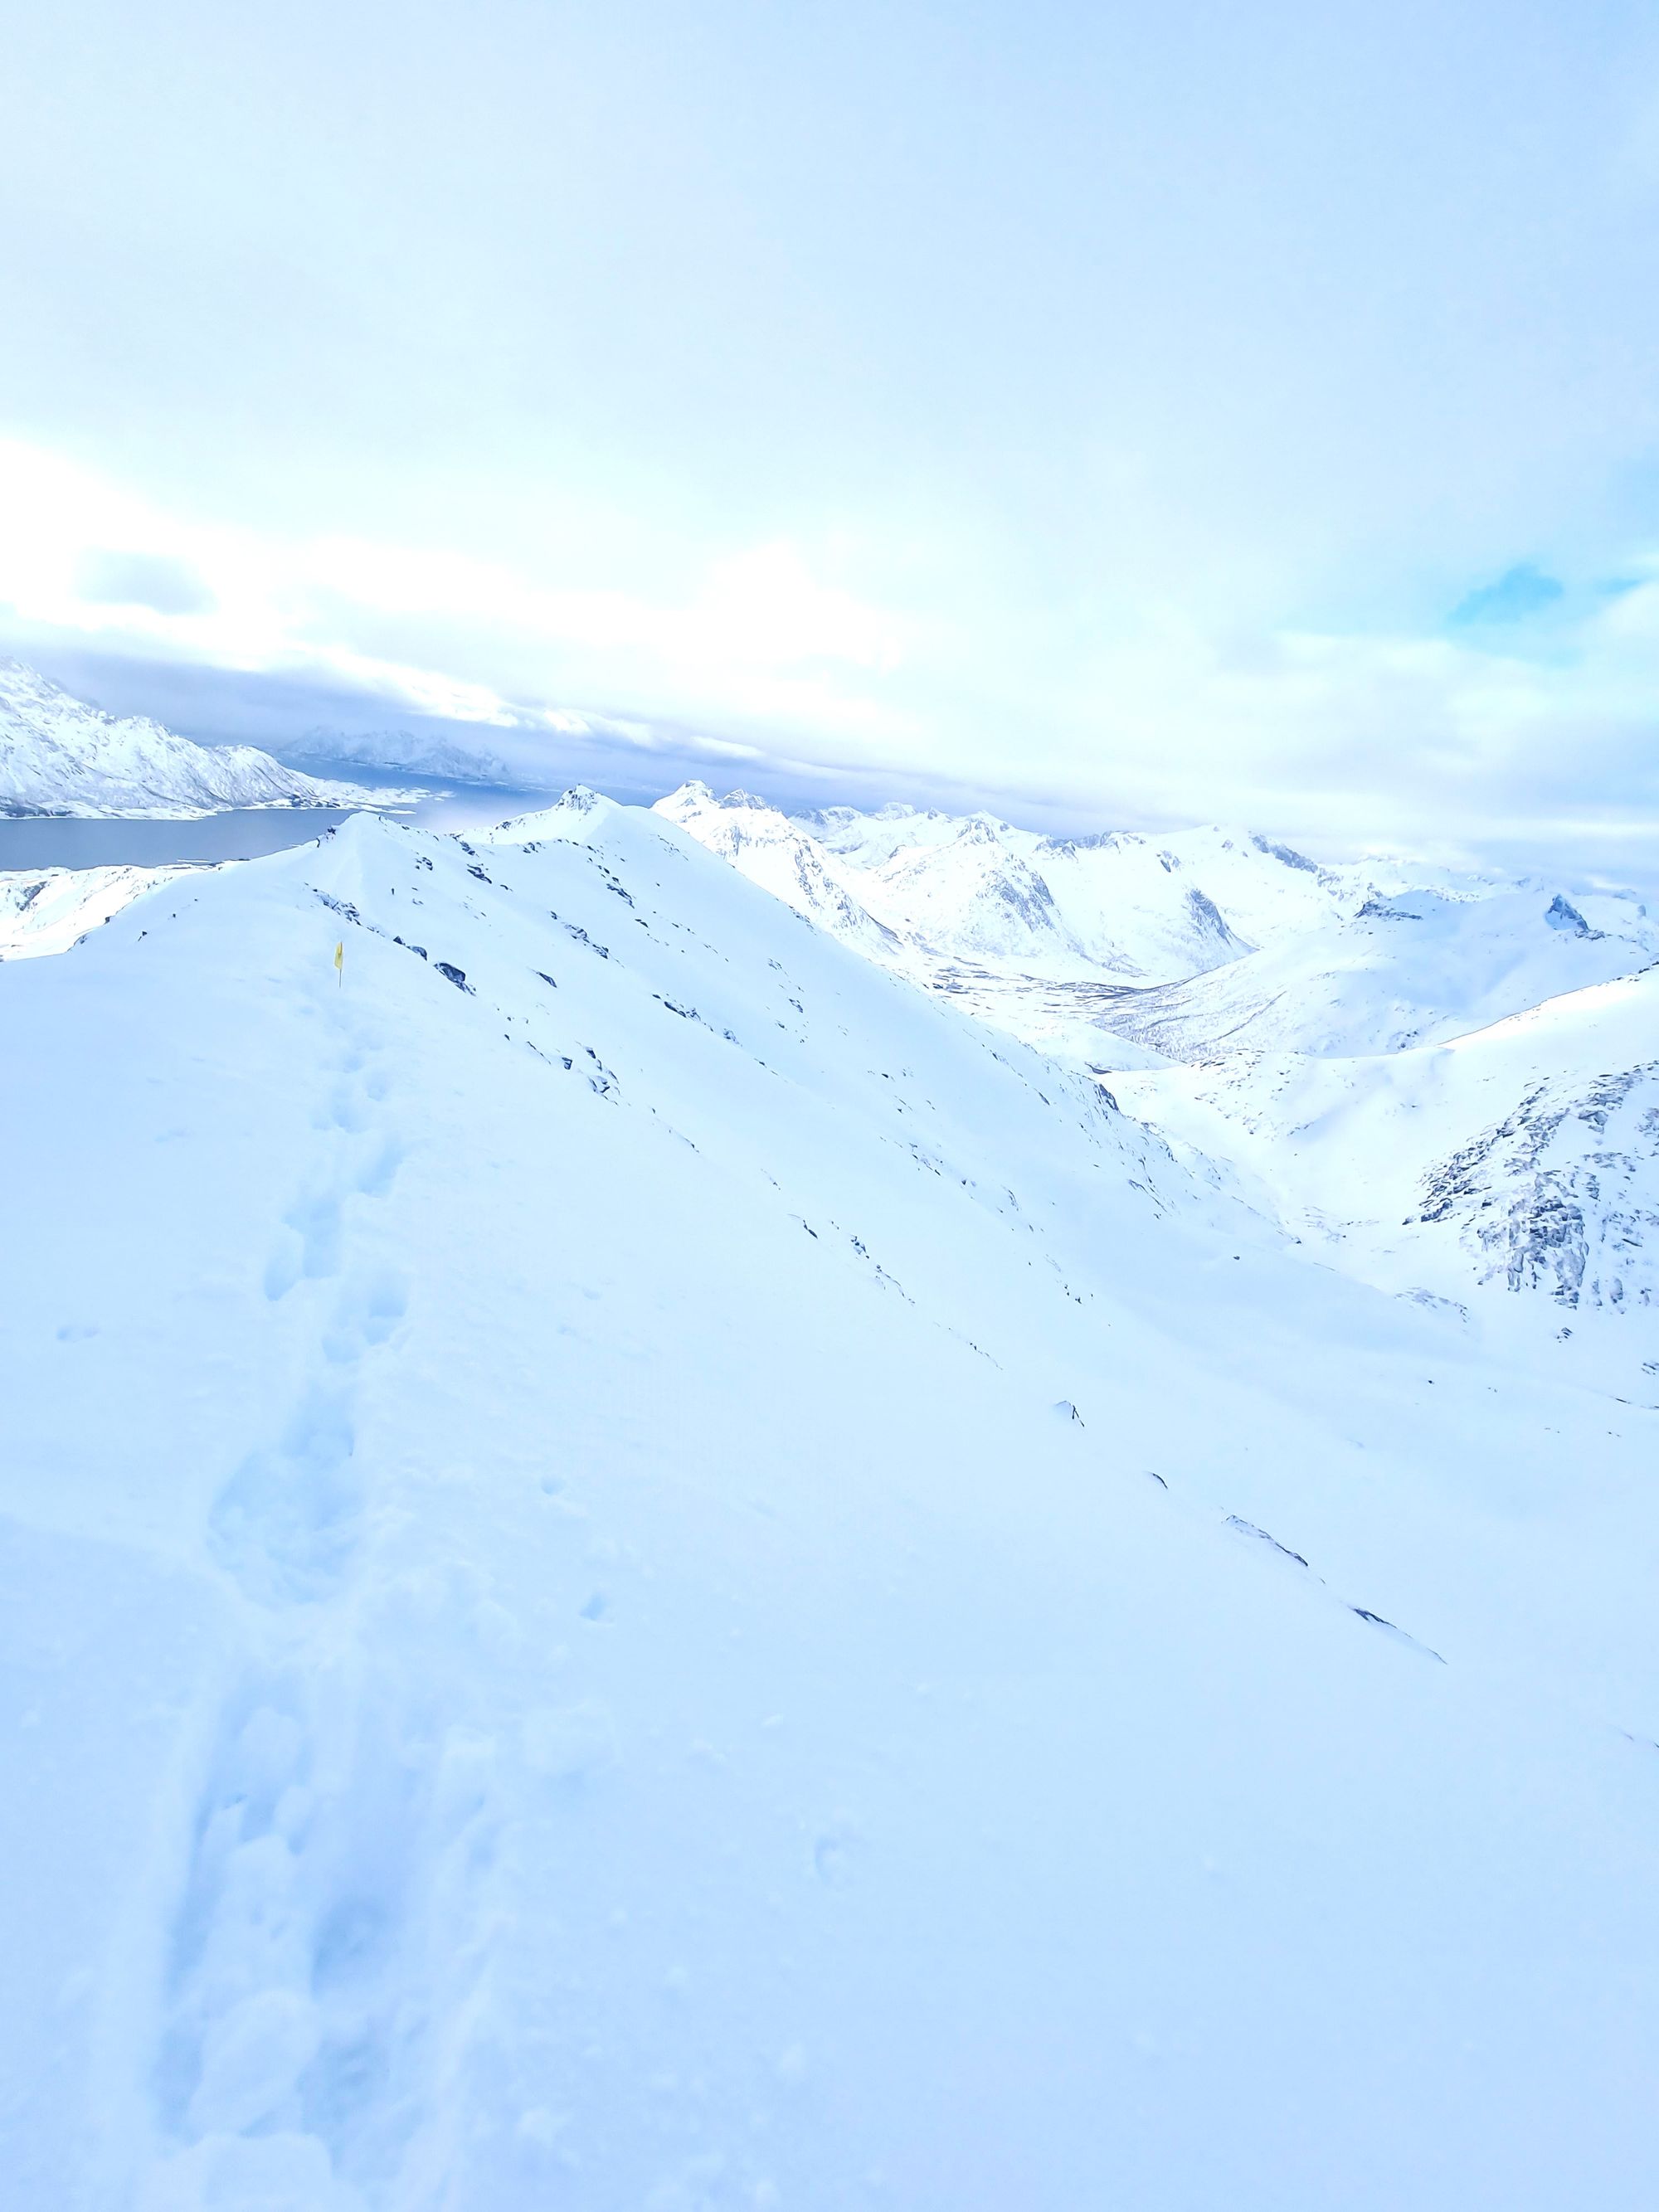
x,y
339,960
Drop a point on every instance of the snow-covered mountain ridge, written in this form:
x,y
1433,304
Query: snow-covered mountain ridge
x,y
640,1569
1117,907
59,756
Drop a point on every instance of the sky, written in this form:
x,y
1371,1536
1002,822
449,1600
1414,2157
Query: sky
x,y
1109,414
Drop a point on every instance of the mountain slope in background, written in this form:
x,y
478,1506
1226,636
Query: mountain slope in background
x,y
59,755
641,1569
1139,909
1522,1157
1408,970
782,859
1118,908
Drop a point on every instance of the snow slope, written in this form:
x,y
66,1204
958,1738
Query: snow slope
x,y
59,755
44,910
643,1570
977,889
974,898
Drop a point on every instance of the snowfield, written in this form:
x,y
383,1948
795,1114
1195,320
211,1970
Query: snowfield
x,y
643,1570
59,756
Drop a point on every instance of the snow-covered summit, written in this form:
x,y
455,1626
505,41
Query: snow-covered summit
x,y
59,756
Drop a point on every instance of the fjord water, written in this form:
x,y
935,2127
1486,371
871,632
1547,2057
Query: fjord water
x,y
242,833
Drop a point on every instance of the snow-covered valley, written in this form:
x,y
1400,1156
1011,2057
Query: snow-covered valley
x,y
644,1571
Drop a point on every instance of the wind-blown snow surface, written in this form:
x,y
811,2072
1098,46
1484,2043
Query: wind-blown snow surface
x,y
643,1570
59,756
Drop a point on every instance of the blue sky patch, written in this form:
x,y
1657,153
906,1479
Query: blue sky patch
x,y
1518,594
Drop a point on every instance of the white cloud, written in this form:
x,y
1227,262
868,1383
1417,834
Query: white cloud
x,y
759,635
1341,739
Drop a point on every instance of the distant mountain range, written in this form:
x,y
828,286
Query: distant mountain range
x,y
1074,944
60,755
407,752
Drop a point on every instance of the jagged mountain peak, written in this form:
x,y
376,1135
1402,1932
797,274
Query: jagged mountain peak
x,y
778,854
